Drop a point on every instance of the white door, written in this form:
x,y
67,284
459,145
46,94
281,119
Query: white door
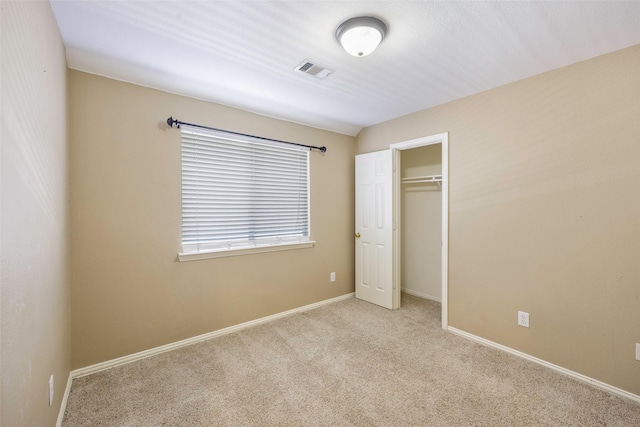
x,y
374,229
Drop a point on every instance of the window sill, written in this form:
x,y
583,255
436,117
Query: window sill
x,y
221,253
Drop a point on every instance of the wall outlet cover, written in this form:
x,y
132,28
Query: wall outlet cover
x,y
523,319
638,351
51,390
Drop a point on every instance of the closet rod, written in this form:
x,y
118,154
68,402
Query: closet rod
x,y
171,121
420,179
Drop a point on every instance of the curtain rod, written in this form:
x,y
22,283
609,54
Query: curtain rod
x,y
171,121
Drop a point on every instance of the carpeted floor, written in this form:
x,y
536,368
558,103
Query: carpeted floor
x,y
347,364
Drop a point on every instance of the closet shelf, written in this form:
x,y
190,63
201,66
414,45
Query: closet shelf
x,y
422,179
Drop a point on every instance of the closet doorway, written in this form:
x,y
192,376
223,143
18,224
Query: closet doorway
x,y
421,208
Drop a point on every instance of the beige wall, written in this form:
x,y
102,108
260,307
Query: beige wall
x,y
545,212
34,249
421,207
129,292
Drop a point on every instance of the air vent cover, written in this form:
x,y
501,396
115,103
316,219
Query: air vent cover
x,y
316,70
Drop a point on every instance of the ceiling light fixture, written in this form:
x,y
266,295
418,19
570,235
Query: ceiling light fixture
x,y
361,35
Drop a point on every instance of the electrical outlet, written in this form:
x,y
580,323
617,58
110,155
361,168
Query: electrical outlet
x,y
51,390
638,351
333,276
523,319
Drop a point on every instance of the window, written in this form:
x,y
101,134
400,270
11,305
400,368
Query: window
x,y
241,195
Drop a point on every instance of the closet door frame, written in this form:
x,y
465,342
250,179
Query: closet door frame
x,y
441,138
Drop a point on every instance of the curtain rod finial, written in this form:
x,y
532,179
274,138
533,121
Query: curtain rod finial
x,y
171,121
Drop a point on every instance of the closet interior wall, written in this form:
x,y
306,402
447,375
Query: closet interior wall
x,y
421,223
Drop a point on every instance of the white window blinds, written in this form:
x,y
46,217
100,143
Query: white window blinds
x,y
241,192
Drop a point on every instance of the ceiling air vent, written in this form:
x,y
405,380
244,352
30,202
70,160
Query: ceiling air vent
x,y
309,67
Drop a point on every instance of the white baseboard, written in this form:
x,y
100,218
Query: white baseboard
x,y
583,378
421,295
63,404
81,372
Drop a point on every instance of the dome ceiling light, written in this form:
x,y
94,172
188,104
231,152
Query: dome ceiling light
x,y
361,35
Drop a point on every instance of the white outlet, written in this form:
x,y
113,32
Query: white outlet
x,y
637,351
523,319
333,276
51,390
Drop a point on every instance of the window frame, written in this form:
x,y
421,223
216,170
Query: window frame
x,y
224,248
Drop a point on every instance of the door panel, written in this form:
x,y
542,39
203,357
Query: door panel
x,y
374,226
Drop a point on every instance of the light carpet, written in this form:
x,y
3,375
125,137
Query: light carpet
x,y
346,364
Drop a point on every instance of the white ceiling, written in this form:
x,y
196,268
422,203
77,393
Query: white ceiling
x,y
243,53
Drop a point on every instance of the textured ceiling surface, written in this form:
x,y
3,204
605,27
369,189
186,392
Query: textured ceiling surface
x,y
243,53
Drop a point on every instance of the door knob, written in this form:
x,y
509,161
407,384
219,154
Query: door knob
x,y
357,235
